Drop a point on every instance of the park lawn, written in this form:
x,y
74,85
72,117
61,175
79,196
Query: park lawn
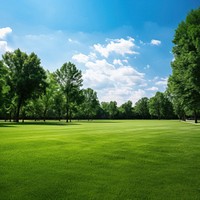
x,y
108,160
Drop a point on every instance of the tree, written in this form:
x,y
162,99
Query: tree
x,y
184,82
34,109
126,110
112,109
90,103
142,108
58,104
3,72
47,99
160,106
26,77
70,81
105,110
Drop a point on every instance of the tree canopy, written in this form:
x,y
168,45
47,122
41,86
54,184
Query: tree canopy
x,y
184,83
26,78
70,81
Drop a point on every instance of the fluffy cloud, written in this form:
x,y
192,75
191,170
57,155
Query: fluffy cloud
x,y
4,47
117,62
162,82
80,58
4,32
152,88
112,82
118,46
137,95
3,43
155,42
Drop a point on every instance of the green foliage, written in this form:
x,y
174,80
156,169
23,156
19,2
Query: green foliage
x,y
90,104
184,82
47,99
70,81
126,110
3,73
160,106
142,108
58,105
26,77
110,110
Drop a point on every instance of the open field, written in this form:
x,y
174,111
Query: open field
x,y
100,160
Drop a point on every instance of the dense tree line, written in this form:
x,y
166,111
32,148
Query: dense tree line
x,y
184,83
27,91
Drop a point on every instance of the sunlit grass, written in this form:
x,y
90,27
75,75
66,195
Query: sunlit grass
x,y
100,160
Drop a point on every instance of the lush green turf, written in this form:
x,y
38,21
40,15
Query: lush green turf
x,y
100,160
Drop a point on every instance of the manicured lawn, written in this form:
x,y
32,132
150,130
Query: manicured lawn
x,y
100,160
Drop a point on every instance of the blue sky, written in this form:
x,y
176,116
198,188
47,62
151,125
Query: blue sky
x,y
123,47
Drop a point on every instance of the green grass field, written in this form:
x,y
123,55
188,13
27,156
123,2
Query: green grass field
x,y
100,160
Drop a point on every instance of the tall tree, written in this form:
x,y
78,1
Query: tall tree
x,y
105,110
160,106
26,77
184,82
70,80
3,73
90,103
113,109
58,104
126,110
142,108
47,99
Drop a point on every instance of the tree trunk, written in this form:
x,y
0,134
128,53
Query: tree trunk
x,y
5,117
10,116
44,114
70,115
67,108
195,117
18,111
67,114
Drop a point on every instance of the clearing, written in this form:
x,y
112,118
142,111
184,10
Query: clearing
x,y
130,159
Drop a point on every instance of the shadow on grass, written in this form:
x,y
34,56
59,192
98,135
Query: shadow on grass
x,y
37,123
108,121
54,123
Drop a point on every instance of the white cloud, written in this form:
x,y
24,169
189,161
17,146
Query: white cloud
x,y
155,42
118,46
137,95
4,47
3,43
162,82
152,89
112,82
125,61
4,32
117,62
100,70
81,58
120,95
